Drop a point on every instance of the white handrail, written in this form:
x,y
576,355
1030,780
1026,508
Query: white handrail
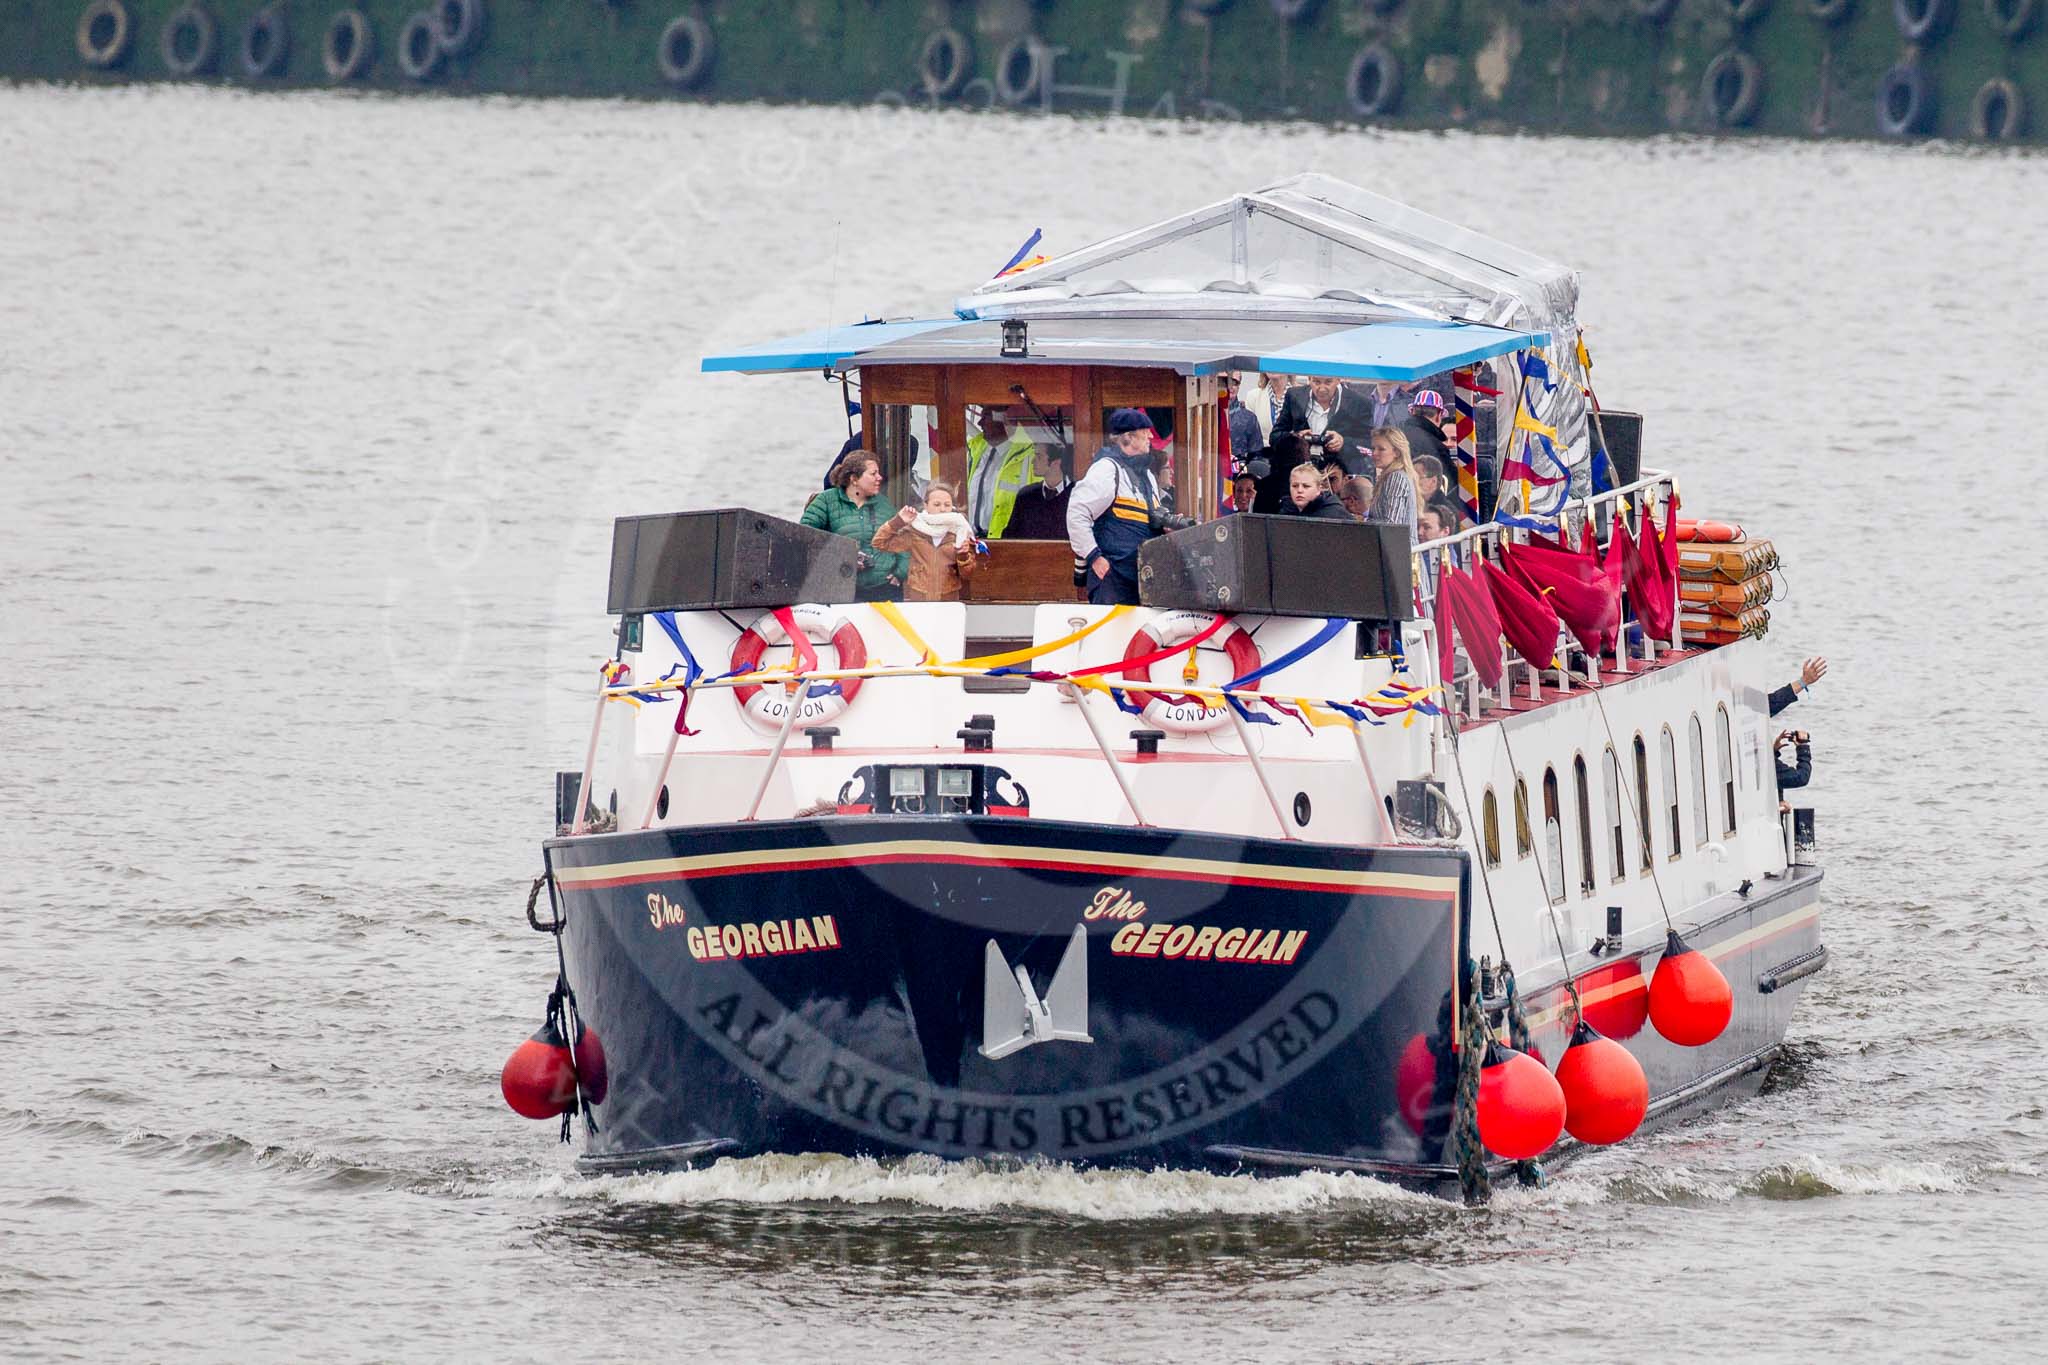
x,y
1489,529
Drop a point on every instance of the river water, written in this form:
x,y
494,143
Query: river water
x,y
314,412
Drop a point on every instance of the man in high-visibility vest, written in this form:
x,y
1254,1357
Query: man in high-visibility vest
x,y
998,469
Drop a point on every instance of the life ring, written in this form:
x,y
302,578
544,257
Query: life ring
x,y
459,26
2010,18
190,40
1020,71
1180,714
1829,12
266,43
1743,12
684,51
945,62
419,47
349,46
104,34
1733,88
1708,532
1999,112
1922,21
1374,82
1905,101
768,707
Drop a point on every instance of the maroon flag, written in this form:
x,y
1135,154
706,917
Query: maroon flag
x,y
1477,622
1651,566
1526,619
1585,594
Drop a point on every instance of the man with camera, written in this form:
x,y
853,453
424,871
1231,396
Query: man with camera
x,y
1323,421
1116,508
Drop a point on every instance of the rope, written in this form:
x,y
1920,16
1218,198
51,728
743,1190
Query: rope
x,y
1473,1182
1527,1171
561,1011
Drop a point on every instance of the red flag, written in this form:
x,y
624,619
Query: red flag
x,y
1583,592
1526,619
1652,572
1477,622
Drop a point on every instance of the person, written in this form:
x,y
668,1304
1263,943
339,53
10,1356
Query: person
x,y
1393,499
1799,771
1390,403
998,467
1424,427
1429,484
1307,497
1270,400
1334,478
1357,495
940,545
1040,512
853,444
1810,673
1244,491
1115,509
1323,420
1247,431
854,507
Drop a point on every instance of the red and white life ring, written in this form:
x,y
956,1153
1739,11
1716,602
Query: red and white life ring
x,y
1180,714
767,707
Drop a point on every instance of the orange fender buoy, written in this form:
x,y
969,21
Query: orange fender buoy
x,y
1690,1001
1521,1106
1606,1093
1714,532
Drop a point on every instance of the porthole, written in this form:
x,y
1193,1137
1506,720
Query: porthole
x,y
1301,809
661,804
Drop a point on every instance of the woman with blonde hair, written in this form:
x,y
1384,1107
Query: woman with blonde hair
x,y
1394,485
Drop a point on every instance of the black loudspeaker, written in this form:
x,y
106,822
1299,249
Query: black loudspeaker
x,y
1624,433
731,557
1281,566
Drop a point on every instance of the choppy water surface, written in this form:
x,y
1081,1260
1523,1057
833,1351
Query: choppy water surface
x,y
314,413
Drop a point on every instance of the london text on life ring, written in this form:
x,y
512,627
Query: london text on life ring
x,y
767,707
1184,715
104,34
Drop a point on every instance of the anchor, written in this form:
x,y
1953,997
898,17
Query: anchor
x,y
1013,1017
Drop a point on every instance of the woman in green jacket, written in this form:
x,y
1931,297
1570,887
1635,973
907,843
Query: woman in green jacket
x,y
854,506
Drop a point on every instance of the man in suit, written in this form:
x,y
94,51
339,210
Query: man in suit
x,y
1322,420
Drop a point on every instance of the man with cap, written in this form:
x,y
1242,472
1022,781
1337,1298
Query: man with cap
x,y
1115,508
1424,427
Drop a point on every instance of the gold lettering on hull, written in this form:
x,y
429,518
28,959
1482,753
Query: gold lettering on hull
x,y
765,938
1209,943
1113,902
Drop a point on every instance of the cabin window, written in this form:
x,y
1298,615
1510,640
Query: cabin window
x,y
1643,800
1668,756
1699,784
1724,743
1489,813
1553,837
1524,842
1579,790
1617,839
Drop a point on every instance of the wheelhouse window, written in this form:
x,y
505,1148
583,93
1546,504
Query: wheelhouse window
x,y
1489,815
1617,838
1668,756
1699,784
1524,841
1585,804
1553,837
1643,801
1724,745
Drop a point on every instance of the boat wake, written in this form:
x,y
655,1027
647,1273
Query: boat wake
x,y
1805,1177
974,1187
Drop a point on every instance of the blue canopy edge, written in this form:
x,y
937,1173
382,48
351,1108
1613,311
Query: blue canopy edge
x,y
1399,351
819,350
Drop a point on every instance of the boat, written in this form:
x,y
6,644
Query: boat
x,y
1302,862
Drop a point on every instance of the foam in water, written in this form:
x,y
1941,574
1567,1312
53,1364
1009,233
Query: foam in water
x,y
974,1187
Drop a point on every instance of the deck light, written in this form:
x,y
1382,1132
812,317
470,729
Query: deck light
x,y
1015,344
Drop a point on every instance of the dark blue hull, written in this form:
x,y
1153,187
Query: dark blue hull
x,y
822,986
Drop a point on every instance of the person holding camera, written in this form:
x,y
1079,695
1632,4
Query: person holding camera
x,y
854,507
1799,771
1321,422
1115,508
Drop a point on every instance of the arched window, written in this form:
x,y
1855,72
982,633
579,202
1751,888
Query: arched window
x,y
1586,879
1699,783
1724,743
1617,839
1553,837
1668,756
1524,841
1643,800
1489,815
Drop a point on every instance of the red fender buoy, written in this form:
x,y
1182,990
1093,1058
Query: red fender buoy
x,y
1690,1001
1606,1093
1521,1107
590,1065
538,1080
1615,999
1415,1082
